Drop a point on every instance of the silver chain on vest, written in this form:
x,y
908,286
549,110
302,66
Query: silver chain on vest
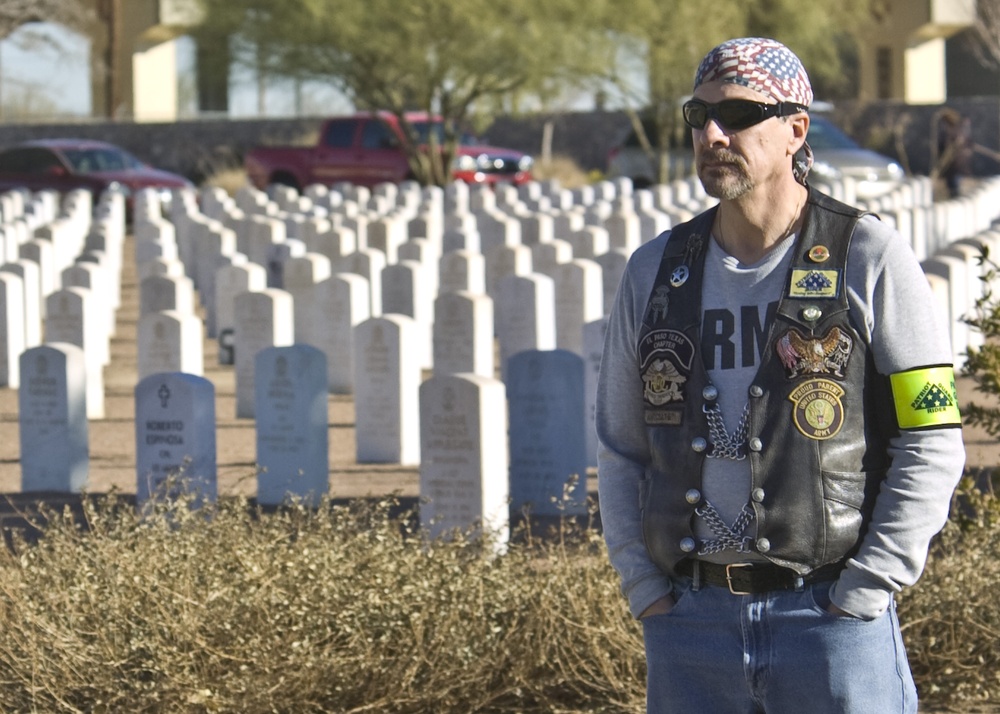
x,y
727,537
724,444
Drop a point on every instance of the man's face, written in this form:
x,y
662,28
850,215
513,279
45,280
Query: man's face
x,y
731,163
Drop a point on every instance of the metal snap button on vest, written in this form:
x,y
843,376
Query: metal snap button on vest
x,y
687,544
699,444
763,545
693,495
756,391
812,313
755,444
710,393
757,495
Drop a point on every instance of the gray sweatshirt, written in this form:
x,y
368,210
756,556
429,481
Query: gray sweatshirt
x,y
891,302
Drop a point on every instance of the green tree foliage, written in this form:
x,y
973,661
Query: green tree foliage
x,y
664,40
983,363
437,56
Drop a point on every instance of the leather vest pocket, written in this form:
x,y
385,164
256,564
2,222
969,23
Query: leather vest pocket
x,y
845,487
846,509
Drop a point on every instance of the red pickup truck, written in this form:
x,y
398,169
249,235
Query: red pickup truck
x,y
367,149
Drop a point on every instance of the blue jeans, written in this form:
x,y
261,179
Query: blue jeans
x,y
774,653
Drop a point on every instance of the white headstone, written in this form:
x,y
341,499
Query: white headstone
x,y
70,319
292,425
506,260
386,390
28,273
368,264
405,292
230,281
462,271
525,316
301,276
175,437
159,293
343,301
52,414
11,328
579,300
170,341
261,319
463,334
463,470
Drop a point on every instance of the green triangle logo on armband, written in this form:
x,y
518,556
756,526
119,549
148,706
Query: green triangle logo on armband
x,y
925,398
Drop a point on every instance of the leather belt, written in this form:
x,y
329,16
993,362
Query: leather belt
x,y
753,578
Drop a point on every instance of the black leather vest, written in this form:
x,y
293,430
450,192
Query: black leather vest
x,y
820,414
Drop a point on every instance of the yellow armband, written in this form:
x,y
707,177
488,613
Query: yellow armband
x,y
926,398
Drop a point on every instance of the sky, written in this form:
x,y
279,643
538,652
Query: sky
x,y
35,73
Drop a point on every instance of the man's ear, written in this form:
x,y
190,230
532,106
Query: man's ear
x,y
800,127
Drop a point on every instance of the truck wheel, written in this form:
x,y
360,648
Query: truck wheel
x,y
285,179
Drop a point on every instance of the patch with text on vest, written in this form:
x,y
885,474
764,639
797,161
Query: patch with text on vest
x,y
665,359
926,398
814,284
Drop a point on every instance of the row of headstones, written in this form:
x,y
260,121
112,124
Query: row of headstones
x,y
959,278
472,470
64,284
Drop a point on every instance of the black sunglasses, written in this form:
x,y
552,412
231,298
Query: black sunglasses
x,y
735,114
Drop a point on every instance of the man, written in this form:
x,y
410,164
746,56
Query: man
x,y
778,422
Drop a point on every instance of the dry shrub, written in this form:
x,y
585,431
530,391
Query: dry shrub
x,y
951,618
342,609
562,168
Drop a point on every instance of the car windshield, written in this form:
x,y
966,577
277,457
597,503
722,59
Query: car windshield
x,y
823,134
423,129
85,161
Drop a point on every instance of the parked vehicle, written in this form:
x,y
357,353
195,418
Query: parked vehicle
x,y
68,164
367,148
836,156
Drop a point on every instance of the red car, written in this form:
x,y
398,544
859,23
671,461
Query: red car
x,y
367,148
67,164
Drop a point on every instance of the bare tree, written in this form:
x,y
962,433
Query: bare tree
x,y
986,32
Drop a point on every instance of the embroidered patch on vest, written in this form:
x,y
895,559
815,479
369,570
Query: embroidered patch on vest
x,y
665,358
818,411
926,398
806,355
814,284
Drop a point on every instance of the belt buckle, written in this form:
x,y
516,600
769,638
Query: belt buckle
x,y
729,577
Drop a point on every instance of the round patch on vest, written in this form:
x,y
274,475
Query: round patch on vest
x,y
818,412
819,254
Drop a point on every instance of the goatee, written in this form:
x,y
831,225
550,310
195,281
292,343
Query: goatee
x,y
726,177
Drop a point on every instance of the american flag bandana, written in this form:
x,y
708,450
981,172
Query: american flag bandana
x,y
768,67
764,65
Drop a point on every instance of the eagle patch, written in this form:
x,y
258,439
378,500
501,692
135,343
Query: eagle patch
x,y
803,355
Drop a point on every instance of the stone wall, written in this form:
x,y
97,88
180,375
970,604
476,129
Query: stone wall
x,y
200,148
